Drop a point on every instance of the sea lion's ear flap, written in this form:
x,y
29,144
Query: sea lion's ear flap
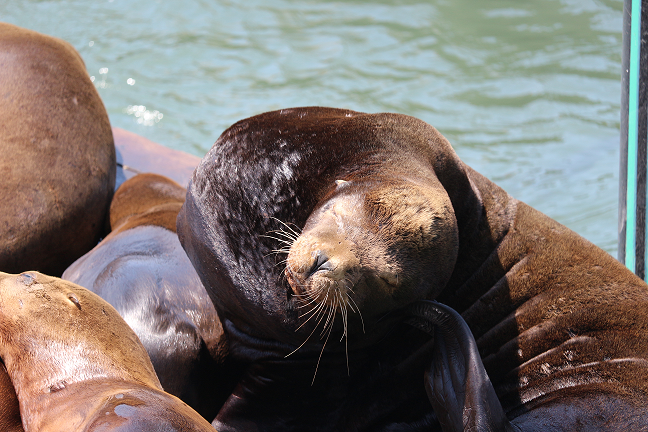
x,y
457,384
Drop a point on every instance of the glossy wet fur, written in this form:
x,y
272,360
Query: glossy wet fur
x,y
59,159
75,363
141,269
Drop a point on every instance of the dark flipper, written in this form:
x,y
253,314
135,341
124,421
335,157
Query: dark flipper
x,y
457,384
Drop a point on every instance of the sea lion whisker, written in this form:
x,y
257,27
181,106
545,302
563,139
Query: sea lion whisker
x,y
344,322
278,251
320,357
320,312
359,313
350,300
280,263
330,314
289,243
307,299
314,311
310,301
345,334
343,311
319,306
287,226
303,343
280,230
285,237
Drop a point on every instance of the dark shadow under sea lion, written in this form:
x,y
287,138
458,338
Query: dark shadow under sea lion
x,y
58,158
141,270
77,366
375,212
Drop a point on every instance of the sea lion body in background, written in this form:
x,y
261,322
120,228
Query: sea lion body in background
x,y
58,164
373,213
137,155
141,269
77,366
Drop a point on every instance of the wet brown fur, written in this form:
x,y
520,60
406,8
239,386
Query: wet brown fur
x,y
58,164
76,364
147,199
10,420
142,270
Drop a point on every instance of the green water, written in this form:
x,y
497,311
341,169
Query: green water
x,y
527,92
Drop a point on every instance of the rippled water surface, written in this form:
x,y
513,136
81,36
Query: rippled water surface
x,y
527,92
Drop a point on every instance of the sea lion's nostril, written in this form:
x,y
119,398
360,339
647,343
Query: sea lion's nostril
x,y
320,262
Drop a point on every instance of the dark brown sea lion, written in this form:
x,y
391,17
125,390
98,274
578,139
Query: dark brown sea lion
x,y
58,163
77,366
561,326
141,270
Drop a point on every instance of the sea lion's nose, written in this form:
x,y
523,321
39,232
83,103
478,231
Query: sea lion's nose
x,y
320,262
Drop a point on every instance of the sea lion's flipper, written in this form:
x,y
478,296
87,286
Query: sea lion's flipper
x,y
457,384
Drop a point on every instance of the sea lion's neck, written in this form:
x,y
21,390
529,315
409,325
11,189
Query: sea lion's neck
x,y
59,370
478,267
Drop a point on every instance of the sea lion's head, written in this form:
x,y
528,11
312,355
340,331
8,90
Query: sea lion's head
x,y
372,247
320,218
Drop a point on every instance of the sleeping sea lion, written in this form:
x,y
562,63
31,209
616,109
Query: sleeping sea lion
x,y
141,270
315,230
77,366
58,163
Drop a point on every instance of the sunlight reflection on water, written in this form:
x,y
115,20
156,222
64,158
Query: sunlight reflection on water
x,y
528,93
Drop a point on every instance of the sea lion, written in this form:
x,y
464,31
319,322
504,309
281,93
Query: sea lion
x,y
141,270
77,366
137,155
378,211
58,164
9,409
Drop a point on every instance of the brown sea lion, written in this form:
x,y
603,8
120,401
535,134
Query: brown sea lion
x,y
58,163
9,409
137,155
141,270
374,212
77,366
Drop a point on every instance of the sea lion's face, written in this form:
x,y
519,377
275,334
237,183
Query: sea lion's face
x,y
370,248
